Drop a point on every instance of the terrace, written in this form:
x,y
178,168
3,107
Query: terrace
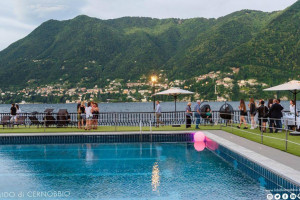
x,y
145,124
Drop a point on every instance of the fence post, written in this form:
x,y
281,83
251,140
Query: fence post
x,y
261,130
286,138
44,125
232,119
150,131
115,116
141,131
140,127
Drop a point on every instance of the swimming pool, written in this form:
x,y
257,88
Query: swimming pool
x,y
121,171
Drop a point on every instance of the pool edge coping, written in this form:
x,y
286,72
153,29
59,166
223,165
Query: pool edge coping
x,y
95,133
280,169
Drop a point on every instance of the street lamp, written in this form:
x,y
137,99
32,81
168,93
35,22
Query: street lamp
x,y
153,80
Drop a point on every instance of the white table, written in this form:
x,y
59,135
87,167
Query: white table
x,y
289,120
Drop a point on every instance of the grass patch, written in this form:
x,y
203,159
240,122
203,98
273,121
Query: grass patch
x,y
275,140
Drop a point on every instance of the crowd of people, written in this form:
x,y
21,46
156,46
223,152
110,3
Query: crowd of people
x,y
87,116
207,114
270,112
15,112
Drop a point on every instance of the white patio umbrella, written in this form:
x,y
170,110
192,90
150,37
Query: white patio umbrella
x,y
175,92
292,86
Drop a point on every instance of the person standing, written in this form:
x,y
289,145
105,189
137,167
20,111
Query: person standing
x,y
13,112
243,114
18,112
158,114
95,112
292,107
262,116
276,114
252,107
79,119
197,113
82,114
89,116
188,114
271,121
279,126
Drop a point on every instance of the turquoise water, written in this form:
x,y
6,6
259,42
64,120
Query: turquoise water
x,y
120,171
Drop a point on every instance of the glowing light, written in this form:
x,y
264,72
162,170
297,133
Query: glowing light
x,y
155,177
154,79
199,146
199,137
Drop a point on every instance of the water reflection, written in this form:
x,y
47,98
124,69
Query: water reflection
x,y
89,156
155,177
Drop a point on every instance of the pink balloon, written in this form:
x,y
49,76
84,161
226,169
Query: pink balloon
x,y
199,146
199,137
210,144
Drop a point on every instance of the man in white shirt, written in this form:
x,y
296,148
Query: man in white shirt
x,y
158,114
89,116
197,113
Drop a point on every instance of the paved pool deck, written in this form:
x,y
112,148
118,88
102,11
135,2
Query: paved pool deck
x,y
284,164
269,152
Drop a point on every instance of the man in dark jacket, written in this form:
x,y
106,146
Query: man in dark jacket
x,y
275,114
262,116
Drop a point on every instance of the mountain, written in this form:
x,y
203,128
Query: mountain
x,y
87,51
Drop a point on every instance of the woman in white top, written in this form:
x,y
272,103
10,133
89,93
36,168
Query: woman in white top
x,y
18,112
292,107
89,116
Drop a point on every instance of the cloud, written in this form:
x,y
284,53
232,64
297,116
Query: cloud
x,y
38,11
106,9
10,35
19,17
12,23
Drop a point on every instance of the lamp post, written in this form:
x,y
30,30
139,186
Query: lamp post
x,y
153,80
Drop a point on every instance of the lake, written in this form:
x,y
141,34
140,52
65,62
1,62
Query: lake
x,y
125,107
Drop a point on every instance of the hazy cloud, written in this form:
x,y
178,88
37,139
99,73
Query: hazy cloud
x,y
20,17
37,11
106,9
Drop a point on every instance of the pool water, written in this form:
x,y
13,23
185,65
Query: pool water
x,y
120,171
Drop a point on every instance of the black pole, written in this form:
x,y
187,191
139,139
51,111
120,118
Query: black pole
x,y
295,99
153,92
175,97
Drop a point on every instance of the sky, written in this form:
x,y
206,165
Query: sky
x,y
19,17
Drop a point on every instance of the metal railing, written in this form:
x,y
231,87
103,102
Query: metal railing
x,y
110,119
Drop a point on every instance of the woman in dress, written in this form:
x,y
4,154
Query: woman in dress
x,y
79,119
82,113
18,112
292,107
252,106
243,114
95,112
